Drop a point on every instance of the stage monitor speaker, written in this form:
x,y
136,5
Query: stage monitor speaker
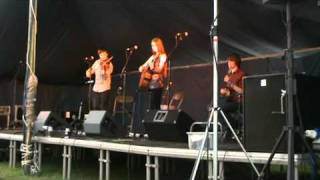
x,y
169,125
100,123
263,120
49,118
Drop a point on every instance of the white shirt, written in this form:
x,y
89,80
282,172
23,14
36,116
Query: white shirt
x,y
103,76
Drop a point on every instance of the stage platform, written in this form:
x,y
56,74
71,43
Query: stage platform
x,y
149,148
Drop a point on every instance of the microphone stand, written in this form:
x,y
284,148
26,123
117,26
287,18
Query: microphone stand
x,y
169,79
90,82
89,92
123,75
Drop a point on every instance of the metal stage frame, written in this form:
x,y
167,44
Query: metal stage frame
x,y
152,153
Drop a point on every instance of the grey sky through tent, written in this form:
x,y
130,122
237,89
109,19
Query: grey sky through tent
x,y
72,29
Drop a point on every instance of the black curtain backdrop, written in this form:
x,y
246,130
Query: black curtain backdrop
x,y
194,81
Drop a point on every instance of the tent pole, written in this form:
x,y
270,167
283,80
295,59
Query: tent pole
x,y
215,88
290,93
30,91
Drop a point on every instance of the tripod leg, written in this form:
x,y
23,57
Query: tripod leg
x,y
238,140
274,149
196,164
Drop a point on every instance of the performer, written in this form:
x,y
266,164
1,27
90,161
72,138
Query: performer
x,y
232,87
231,91
102,69
154,73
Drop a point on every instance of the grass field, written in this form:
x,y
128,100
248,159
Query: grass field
x,y
87,169
53,171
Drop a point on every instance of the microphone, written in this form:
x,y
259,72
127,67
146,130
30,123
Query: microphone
x,y
182,35
132,48
89,82
89,58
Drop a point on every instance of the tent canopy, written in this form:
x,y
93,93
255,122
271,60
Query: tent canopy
x,y
69,30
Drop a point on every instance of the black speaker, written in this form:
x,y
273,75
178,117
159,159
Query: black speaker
x,y
169,125
263,123
48,118
263,120
100,123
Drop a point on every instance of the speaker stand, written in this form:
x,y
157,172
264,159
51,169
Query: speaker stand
x,y
200,152
276,146
290,128
237,139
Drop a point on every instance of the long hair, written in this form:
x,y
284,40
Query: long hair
x,y
159,44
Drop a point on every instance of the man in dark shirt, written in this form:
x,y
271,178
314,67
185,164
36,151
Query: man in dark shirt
x,y
231,91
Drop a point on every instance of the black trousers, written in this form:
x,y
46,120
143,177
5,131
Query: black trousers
x,y
100,100
155,98
229,107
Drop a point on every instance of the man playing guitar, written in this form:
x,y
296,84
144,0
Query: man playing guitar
x,y
231,91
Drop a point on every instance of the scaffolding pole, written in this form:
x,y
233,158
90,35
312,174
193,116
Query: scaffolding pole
x,y
29,96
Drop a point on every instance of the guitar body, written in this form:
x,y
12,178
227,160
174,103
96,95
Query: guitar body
x,y
151,80
145,79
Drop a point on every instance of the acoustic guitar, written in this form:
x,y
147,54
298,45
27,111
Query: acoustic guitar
x,y
145,78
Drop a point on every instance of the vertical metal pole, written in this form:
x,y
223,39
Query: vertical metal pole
x,y
221,170
290,91
69,162
200,151
30,90
215,91
14,154
156,168
10,153
64,162
101,165
210,168
8,118
107,165
296,172
148,174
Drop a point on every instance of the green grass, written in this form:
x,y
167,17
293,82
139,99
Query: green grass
x,y
81,170
88,169
7,173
